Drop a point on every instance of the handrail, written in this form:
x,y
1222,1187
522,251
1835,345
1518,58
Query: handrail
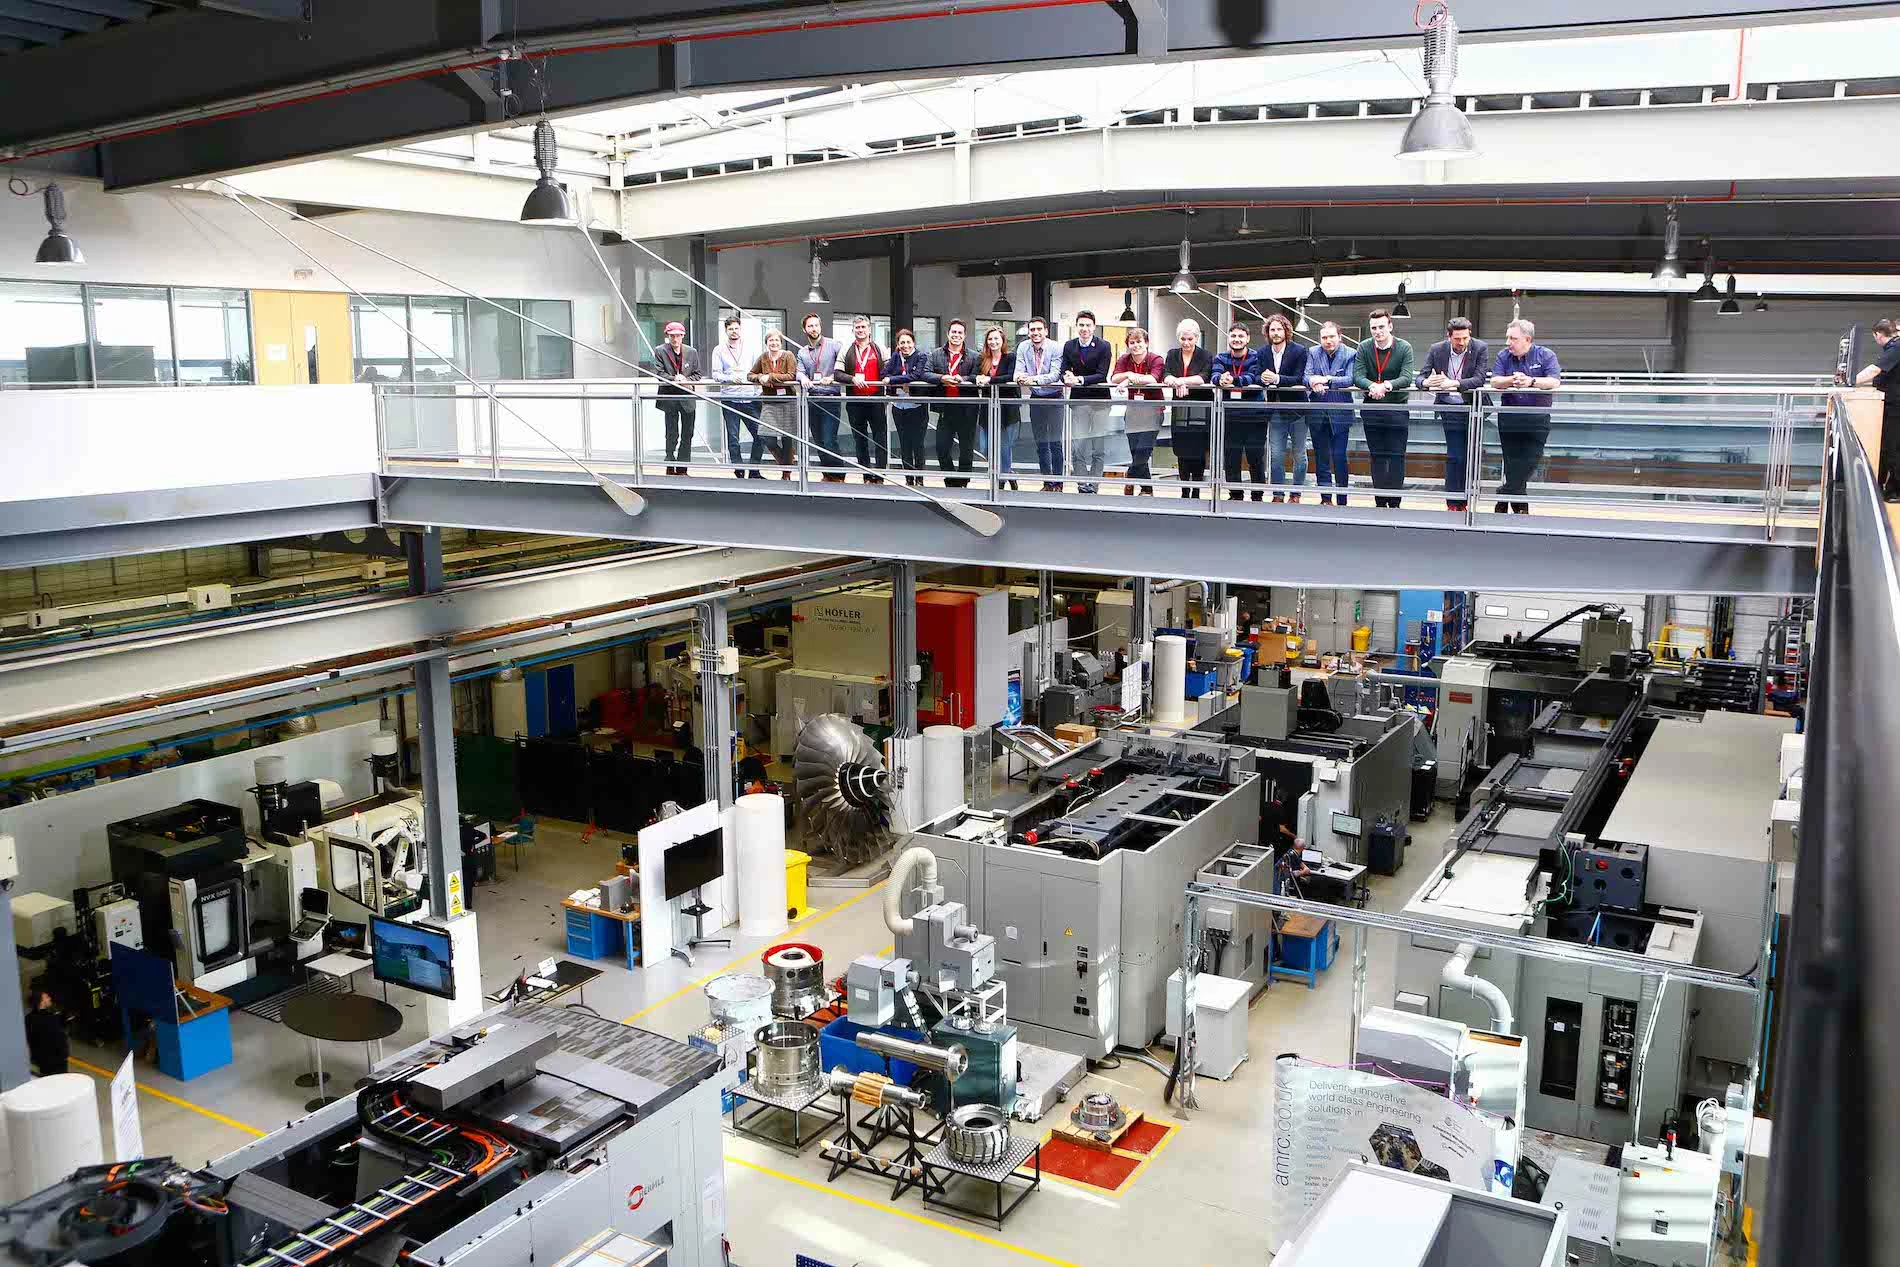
x,y
1832,1170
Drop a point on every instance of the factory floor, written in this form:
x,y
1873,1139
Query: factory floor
x,y
1201,1198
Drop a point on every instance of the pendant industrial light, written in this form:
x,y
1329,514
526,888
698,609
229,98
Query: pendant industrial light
x,y
1246,230
1761,303
1439,129
1318,299
1302,326
1001,307
1706,293
1128,306
1669,267
1730,307
1183,283
57,247
547,201
817,295
1401,311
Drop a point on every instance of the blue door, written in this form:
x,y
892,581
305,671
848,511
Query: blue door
x,y
535,698
563,720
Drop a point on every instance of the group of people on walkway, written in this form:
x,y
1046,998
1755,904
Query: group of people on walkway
x,y
1275,399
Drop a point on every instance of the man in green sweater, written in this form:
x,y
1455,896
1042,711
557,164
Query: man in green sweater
x,y
1383,371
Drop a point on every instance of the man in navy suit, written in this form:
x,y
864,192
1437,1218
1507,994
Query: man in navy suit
x,y
1280,367
1456,366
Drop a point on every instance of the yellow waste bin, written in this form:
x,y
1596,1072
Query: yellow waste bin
x,y
797,865
1362,638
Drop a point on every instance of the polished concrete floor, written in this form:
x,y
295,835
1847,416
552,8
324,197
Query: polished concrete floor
x,y
1202,1198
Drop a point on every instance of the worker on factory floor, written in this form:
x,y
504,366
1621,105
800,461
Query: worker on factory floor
x,y
1884,374
1383,371
1329,369
1524,420
46,1043
1455,367
1039,378
1085,364
677,365
817,360
860,371
1246,426
738,398
1280,367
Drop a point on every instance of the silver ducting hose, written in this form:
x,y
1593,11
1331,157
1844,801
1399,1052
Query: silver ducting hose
x,y
843,789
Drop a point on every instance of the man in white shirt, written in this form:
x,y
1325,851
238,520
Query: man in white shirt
x,y
1039,377
738,399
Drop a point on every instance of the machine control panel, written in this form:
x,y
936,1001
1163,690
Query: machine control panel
x,y
1617,1054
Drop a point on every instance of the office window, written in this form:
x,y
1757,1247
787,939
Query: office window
x,y
928,332
494,340
214,335
131,335
43,333
381,338
548,355
438,338
880,327
653,319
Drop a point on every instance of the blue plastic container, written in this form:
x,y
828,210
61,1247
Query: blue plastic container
x,y
838,1046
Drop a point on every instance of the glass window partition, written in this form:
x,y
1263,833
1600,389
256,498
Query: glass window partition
x,y
495,350
214,335
381,338
43,334
548,355
131,335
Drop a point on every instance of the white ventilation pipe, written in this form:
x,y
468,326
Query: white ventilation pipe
x,y
1458,976
899,884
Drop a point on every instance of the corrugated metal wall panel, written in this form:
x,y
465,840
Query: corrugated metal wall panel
x,y
1795,336
1595,333
1381,608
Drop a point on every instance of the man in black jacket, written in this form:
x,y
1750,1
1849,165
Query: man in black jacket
x,y
1086,361
677,365
46,1043
1456,366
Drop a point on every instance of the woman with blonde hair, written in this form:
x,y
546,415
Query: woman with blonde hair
x,y
776,372
995,367
1187,370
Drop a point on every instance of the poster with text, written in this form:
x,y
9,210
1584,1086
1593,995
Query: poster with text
x,y
1324,1117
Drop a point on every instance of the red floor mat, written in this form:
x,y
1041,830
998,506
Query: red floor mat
x,y
1066,1160
1144,1137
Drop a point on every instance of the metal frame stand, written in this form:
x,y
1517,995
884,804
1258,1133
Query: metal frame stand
x,y
855,1145
798,1107
940,1169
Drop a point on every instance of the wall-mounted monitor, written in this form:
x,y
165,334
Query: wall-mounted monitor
x,y
412,955
694,862
1347,825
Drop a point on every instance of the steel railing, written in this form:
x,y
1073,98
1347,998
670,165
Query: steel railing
x,y
1680,448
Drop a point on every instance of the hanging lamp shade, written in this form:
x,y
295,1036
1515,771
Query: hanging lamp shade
x,y
1183,283
547,201
57,248
1439,130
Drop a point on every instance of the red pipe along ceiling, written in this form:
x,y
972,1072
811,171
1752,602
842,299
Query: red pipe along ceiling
x,y
1082,213
950,8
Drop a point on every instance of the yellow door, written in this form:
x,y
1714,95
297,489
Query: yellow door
x,y
301,337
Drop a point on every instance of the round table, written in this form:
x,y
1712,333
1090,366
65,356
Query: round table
x,y
339,1018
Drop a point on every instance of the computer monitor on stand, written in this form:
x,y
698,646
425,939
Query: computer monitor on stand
x,y
688,866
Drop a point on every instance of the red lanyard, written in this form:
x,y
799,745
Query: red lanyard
x,y
1379,360
679,362
865,363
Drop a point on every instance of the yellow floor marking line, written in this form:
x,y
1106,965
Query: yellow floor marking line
x,y
97,1072
886,1208
690,986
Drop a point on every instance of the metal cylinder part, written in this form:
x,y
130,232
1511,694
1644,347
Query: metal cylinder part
x,y
797,974
873,1089
977,1134
785,1060
740,1000
949,1061
1099,1114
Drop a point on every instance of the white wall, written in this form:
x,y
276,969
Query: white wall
x,y
182,237
61,841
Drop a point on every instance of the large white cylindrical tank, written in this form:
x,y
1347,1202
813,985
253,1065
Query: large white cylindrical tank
x,y
1170,691
52,1129
943,771
759,822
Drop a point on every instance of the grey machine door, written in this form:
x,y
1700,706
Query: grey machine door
x,y
1078,992
1014,912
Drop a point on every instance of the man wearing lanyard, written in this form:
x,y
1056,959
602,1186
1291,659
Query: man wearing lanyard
x,y
1527,373
737,398
1039,377
817,365
860,370
1383,371
1086,361
1329,370
677,364
1454,368
1246,429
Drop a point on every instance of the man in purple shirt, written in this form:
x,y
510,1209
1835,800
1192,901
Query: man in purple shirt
x,y
1527,373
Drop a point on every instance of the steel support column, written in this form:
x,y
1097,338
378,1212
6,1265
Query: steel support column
x,y
435,731
905,671
703,333
715,700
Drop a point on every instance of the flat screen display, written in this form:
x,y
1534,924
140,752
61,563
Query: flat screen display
x,y
413,956
694,862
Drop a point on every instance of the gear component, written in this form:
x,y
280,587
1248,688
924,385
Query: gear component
x,y
1100,1115
977,1134
843,789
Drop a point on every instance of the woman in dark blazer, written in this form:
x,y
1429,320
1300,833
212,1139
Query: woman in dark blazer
x,y
996,367
1188,368
902,376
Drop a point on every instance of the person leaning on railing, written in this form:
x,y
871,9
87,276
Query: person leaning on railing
x,y
1455,367
1884,374
1039,380
1382,370
1140,372
677,364
1280,367
953,373
1188,370
1527,373
860,372
776,373
996,366
1329,371
1246,424
1086,360
817,363
912,421
738,399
